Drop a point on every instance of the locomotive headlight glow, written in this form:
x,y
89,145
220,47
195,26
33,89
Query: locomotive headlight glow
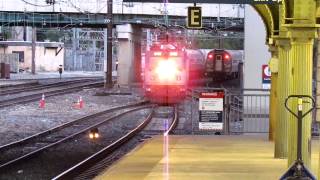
x,y
94,133
166,70
173,54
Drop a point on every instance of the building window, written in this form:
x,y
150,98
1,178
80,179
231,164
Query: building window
x,y
21,55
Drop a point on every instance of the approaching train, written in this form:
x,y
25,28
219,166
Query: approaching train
x,y
168,69
223,64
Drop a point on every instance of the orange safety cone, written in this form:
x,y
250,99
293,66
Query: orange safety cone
x,y
42,102
81,103
77,104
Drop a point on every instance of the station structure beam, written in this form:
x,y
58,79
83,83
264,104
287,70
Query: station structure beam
x,y
273,106
270,17
301,54
302,32
284,90
317,118
293,29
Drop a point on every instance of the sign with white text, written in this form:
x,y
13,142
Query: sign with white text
x,y
211,111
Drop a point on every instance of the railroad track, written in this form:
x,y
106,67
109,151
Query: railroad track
x,y
49,93
18,85
37,86
49,146
95,163
58,78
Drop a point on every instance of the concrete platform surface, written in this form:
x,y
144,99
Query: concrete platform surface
x,y
203,157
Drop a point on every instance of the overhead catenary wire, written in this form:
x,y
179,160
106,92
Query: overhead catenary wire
x,y
38,5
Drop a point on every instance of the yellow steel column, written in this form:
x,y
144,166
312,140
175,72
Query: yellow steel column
x,y
300,23
318,76
301,53
283,89
319,167
273,106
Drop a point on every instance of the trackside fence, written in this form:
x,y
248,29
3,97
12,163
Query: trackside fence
x,y
245,111
248,111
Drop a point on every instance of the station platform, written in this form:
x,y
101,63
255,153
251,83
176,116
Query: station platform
x,y
243,157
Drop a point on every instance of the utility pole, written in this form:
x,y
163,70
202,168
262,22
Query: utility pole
x,y
33,55
166,19
108,74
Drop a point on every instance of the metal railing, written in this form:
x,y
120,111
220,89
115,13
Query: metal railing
x,y
245,111
248,111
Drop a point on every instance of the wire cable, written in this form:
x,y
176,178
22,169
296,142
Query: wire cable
x,y
32,4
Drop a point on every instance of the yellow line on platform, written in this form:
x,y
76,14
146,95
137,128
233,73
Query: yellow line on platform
x,y
203,157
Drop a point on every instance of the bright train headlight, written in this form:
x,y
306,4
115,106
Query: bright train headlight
x,y
166,69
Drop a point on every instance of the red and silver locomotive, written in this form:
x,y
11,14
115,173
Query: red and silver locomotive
x,y
223,64
166,73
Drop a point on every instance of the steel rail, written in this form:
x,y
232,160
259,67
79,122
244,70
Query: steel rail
x,y
19,85
70,137
41,86
67,124
93,159
37,96
175,121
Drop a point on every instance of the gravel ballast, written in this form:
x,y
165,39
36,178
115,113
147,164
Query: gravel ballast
x,y
20,121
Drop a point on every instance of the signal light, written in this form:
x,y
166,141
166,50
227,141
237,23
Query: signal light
x,y
94,133
91,136
210,56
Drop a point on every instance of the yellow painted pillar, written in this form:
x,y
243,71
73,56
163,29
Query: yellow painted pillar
x,y
273,105
300,22
318,77
319,167
283,89
301,54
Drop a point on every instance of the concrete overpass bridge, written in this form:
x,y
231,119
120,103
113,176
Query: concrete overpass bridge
x,y
93,14
90,20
